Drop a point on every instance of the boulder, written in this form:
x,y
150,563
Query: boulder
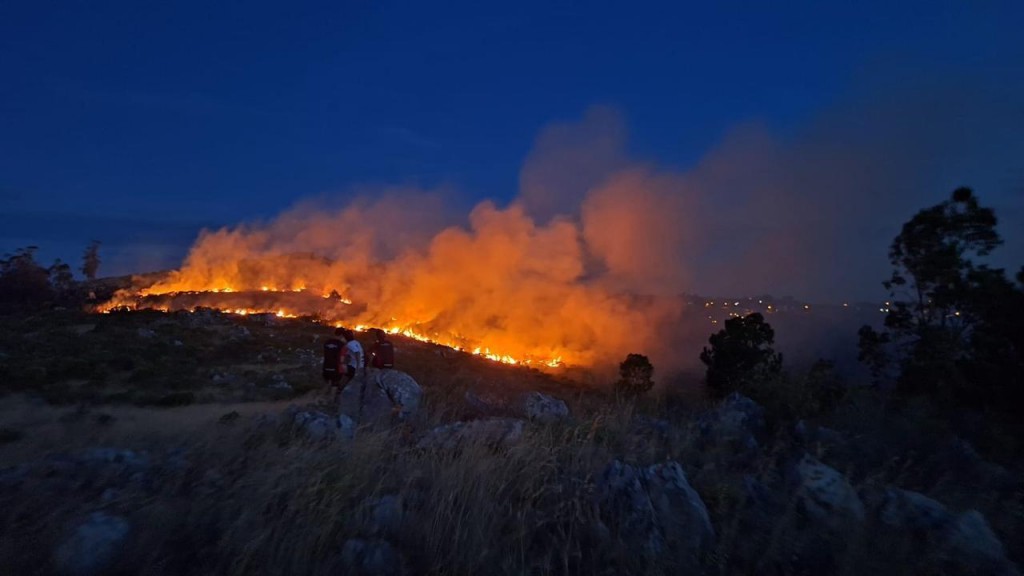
x,y
401,389
800,519
654,511
963,544
826,497
346,427
365,403
810,435
379,397
734,427
972,548
92,546
316,426
529,406
912,511
494,432
543,408
737,417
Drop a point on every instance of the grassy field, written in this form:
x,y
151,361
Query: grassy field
x,y
226,487
154,358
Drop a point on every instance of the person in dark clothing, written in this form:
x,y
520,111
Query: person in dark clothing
x,y
382,352
334,367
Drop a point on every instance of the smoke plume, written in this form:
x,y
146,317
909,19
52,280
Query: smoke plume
x,y
589,262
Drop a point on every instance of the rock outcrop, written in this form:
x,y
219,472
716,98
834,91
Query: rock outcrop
x,y
379,398
826,497
946,542
533,406
654,512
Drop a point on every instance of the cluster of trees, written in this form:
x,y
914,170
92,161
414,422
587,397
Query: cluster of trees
x,y
955,327
954,333
26,283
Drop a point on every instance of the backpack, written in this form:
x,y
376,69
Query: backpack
x,y
383,354
332,357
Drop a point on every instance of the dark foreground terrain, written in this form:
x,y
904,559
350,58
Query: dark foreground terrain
x,y
201,443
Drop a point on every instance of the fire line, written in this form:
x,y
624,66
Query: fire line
x,y
142,300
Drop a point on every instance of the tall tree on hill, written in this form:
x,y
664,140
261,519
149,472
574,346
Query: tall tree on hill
x,y
954,323
91,260
740,353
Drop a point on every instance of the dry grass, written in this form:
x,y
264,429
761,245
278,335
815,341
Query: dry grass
x,y
259,500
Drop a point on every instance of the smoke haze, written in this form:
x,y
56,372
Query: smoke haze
x,y
587,263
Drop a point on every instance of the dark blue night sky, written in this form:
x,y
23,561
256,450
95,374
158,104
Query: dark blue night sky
x,y
138,123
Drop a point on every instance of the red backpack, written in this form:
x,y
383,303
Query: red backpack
x,y
332,358
383,354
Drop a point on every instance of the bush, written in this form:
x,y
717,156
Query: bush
x,y
788,397
635,375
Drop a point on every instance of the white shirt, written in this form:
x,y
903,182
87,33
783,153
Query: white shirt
x,y
354,354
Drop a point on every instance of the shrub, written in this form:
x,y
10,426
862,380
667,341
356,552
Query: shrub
x,y
788,397
635,375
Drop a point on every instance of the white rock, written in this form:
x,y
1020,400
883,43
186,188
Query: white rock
x,y
543,408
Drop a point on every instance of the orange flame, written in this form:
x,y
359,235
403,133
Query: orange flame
x,y
504,288
124,302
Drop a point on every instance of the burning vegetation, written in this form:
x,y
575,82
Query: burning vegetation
x,y
299,302
503,287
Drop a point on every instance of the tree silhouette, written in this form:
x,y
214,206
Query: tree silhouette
x,y
91,260
61,278
22,280
635,374
739,353
951,319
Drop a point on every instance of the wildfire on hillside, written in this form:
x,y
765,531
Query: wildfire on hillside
x,y
502,285
329,307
